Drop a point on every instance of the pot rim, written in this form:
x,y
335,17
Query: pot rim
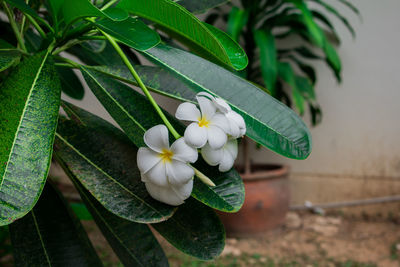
x,y
266,173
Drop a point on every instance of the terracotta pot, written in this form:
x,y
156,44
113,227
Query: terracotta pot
x,y
266,202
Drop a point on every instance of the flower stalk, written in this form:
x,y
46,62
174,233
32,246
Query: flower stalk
x,y
141,85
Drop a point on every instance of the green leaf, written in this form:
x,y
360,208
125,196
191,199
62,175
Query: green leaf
x,y
48,229
81,211
269,122
9,55
177,19
103,159
29,104
50,235
54,8
351,6
305,68
196,6
268,57
195,230
134,243
323,19
236,54
312,27
21,5
73,10
106,56
333,59
287,74
134,114
237,19
343,19
305,87
132,32
70,83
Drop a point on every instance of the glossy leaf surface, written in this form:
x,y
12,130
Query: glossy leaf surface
x,y
134,243
70,83
269,122
196,6
50,235
287,74
134,114
76,9
195,230
177,19
8,57
103,159
29,104
132,32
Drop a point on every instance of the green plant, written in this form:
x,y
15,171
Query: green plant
x,y
281,39
37,40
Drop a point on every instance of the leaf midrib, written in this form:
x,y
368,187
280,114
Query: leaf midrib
x,y
110,177
227,59
109,227
22,117
40,237
256,119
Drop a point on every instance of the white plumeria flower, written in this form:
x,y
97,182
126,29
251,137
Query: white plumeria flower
x,y
237,126
208,125
164,169
224,157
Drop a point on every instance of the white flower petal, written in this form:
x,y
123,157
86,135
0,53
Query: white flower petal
x,y
147,159
158,174
179,173
187,112
238,120
157,138
143,177
211,156
183,151
164,194
234,130
183,191
220,121
207,107
216,137
226,163
207,95
195,135
231,147
222,105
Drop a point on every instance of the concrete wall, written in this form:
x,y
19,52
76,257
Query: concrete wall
x,y
356,149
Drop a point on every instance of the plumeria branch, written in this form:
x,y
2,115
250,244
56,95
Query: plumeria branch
x,y
141,85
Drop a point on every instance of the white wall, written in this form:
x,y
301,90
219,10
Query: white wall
x,y
360,131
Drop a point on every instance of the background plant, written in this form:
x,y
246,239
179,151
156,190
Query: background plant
x,y
282,38
38,39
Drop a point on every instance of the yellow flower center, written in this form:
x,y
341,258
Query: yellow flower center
x,y
203,122
166,155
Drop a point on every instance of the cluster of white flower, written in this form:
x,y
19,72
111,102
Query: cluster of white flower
x,y
214,129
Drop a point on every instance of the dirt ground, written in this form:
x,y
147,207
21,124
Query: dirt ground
x,y
305,240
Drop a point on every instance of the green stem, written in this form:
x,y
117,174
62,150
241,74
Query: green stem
x,y
141,85
36,25
108,4
14,27
23,22
68,61
66,46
